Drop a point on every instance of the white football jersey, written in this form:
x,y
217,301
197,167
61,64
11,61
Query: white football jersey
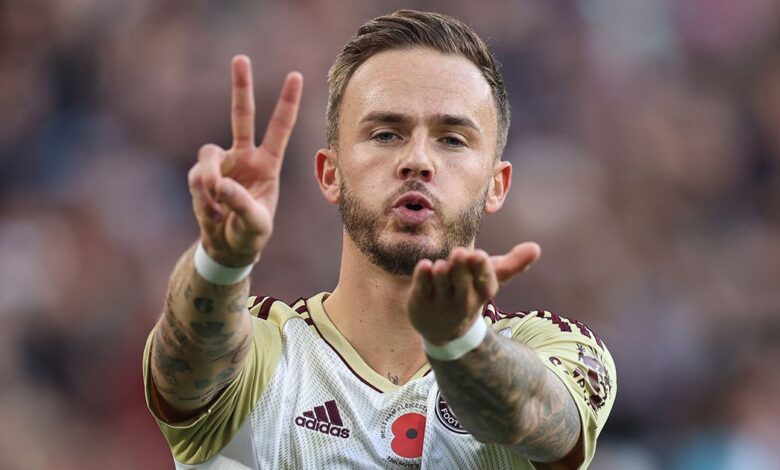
x,y
306,399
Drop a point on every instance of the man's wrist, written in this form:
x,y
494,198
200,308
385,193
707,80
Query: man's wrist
x,y
217,273
461,346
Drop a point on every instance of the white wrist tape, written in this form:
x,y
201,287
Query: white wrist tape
x,y
458,347
216,273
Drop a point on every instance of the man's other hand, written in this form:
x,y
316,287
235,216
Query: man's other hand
x,y
447,295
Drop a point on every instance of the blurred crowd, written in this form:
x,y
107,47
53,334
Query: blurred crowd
x,y
646,149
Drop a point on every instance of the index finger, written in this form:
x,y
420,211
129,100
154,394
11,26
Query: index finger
x,y
242,111
483,276
422,283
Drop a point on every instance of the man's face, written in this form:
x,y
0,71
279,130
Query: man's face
x,y
417,142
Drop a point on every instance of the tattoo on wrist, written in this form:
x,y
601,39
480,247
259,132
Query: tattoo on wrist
x,y
222,290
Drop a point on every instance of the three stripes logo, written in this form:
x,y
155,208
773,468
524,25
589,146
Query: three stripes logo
x,y
325,419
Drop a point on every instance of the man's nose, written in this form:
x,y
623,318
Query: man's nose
x,y
416,161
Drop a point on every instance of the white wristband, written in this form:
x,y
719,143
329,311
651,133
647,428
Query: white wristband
x,y
458,347
216,273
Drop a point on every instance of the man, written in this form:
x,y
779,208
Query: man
x,y
407,363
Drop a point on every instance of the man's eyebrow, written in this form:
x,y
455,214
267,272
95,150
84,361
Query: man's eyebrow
x,y
441,119
455,120
385,117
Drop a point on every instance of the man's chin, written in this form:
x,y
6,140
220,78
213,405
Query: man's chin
x,y
407,242
401,256
398,228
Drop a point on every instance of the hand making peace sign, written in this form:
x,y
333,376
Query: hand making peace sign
x,y
235,191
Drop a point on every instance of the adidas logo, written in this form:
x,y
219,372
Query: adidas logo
x,y
325,419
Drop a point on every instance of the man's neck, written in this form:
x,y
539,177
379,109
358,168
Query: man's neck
x,y
368,307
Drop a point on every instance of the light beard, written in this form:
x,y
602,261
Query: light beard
x,y
364,228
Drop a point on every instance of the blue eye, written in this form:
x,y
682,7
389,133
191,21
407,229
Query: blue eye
x,y
384,137
452,142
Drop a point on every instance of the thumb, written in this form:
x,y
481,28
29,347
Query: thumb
x,y
518,259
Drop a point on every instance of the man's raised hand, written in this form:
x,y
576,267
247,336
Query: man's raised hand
x,y
235,192
446,295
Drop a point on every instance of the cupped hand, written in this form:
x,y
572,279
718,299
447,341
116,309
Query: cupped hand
x,y
446,295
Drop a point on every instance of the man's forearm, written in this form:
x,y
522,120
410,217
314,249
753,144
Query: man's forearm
x,y
202,339
502,393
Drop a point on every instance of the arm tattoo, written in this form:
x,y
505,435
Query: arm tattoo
x,y
502,393
202,383
201,340
237,305
169,366
203,305
236,354
208,329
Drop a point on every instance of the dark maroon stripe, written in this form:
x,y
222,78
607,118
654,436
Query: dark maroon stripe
x,y
587,331
303,308
344,360
513,315
259,300
333,413
320,412
487,313
266,308
598,340
308,414
308,321
501,314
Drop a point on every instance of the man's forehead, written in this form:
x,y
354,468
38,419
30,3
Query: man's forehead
x,y
422,84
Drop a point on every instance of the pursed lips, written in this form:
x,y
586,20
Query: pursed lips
x,y
413,208
413,200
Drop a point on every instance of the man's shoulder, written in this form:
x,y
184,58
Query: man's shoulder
x,y
276,312
529,324
572,351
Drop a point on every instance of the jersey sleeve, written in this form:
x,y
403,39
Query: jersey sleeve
x,y
577,356
200,438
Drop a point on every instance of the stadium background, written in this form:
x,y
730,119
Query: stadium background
x,y
646,148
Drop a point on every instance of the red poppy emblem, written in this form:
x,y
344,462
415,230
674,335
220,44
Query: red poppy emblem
x,y
409,430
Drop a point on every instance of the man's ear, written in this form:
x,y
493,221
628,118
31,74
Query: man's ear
x,y
499,186
325,170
